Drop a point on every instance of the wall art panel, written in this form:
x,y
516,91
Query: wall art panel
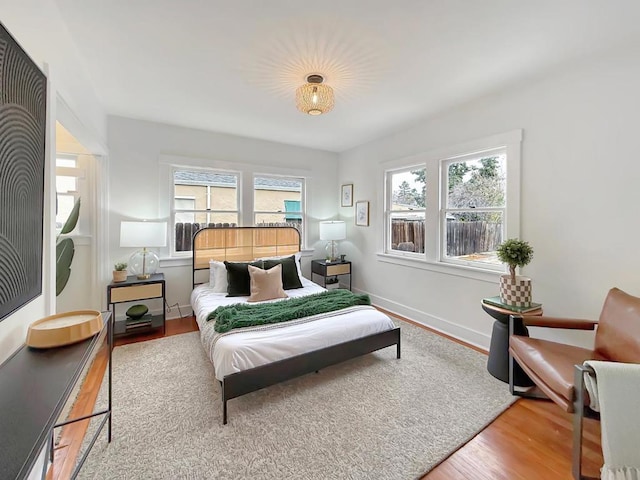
x,y
23,90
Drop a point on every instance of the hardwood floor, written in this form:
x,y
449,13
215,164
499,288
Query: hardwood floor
x,y
531,440
72,435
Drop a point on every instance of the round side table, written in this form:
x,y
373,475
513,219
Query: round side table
x,y
498,363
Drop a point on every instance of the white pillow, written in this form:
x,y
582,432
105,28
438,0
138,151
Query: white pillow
x,y
218,276
297,255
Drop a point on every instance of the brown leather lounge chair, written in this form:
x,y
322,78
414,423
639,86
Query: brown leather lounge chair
x,y
551,365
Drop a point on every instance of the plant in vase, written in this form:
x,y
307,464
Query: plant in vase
x,y
120,272
515,290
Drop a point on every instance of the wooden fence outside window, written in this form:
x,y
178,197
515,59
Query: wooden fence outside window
x,y
463,238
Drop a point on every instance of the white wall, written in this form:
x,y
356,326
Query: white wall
x,y
579,202
38,28
140,152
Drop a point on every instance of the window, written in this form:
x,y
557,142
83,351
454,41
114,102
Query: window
x,y
454,206
202,198
212,198
279,201
406,207
474,208
68,176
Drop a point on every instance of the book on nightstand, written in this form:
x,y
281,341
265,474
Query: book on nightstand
x,y
144,321
495,301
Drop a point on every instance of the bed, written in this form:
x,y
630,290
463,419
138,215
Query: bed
x,y
248,359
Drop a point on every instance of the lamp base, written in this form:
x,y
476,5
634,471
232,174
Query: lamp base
x,y
332,251
143,264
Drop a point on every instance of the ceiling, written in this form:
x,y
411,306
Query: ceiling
x,y
233,66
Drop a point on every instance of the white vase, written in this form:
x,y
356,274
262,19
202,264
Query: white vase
x,y
516,294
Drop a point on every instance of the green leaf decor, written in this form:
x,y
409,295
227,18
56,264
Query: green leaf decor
x,y
65,249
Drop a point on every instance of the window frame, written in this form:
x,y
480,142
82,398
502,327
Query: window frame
x,y
389,210
444,209
79,172
244,195
195,211
432,161
303,208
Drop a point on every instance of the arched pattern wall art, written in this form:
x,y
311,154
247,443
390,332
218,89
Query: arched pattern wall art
x,y
22,154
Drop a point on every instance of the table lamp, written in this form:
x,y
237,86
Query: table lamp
x,y
143,263
332,231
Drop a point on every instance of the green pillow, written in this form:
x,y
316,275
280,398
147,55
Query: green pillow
x,y
290,278
238,279
137,311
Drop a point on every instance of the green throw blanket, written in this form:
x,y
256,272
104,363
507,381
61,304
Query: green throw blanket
x,y
247,315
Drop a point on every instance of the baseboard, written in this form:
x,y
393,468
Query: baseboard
x,y
459,332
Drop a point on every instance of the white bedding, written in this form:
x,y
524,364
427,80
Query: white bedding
x,y
241,351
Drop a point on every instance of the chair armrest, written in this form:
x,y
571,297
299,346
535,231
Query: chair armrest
x,y
558,322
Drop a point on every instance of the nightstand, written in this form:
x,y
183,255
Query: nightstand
x,y
135,290
330,271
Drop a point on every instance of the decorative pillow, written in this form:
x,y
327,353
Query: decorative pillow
x,y
297,257
290,277
238,278
265,284
217,276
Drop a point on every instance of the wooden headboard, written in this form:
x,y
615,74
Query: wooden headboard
x,y
240,244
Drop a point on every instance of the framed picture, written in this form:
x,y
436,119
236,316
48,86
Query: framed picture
x,y
347,195
362,213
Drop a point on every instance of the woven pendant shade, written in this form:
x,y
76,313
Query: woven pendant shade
x,y
313,97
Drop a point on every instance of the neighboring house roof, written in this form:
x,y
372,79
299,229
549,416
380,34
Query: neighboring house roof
x,y
191,177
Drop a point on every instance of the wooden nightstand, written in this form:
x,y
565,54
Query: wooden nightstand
x,y
135,290
330,270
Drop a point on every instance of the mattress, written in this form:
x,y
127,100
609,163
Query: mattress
x,y
244,350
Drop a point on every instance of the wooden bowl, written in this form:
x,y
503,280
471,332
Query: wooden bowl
x,y
64,329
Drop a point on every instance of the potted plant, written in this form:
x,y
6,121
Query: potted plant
x,y
119,272
515,290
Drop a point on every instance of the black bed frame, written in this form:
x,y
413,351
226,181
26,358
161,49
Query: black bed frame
x,y
247,381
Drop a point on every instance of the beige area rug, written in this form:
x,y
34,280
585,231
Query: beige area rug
x,y
371,417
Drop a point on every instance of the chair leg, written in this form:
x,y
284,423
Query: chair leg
x,y
524,391
578,417
512,387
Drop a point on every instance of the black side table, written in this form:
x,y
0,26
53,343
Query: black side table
x,y
330,270
137,290
498,363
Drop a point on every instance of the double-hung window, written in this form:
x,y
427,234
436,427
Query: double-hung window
x,y
71,186
473,213
279,201
202,198
454,206
405,209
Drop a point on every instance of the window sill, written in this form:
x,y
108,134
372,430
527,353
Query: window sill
x,y
447,269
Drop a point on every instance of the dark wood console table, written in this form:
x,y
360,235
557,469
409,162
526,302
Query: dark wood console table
x,y
34,388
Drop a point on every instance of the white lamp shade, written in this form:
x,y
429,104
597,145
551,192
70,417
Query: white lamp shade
x,y
334,230
143,234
